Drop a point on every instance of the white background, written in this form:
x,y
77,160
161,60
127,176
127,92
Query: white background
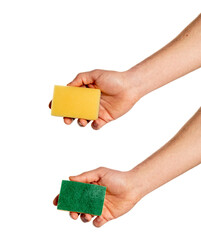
x,y
43,43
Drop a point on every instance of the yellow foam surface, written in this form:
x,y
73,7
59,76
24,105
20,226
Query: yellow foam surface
x,y
75,102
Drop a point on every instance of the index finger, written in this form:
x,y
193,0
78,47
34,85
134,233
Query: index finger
x,y
82,79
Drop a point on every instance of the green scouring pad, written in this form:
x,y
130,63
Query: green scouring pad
x,y
81,197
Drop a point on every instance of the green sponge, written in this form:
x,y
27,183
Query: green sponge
x,y
81,197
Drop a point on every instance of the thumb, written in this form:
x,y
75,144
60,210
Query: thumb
x,y
82,79
99,221
90,176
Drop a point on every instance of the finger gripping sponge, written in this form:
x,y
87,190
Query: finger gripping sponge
x,y
81,197
75,102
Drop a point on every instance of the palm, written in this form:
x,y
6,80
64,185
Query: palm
x,y
117,94
115,98
119,198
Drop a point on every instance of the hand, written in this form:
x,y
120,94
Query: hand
x,y
118,95
121,90
120,194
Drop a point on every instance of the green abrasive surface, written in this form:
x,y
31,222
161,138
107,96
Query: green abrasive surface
x,y
81,197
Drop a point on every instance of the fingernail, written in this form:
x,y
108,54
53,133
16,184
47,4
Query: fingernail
x,y
98,220
68,121
71,177
95,124
80,124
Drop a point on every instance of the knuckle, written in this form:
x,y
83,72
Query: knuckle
x,y
79,75
96,71
101,168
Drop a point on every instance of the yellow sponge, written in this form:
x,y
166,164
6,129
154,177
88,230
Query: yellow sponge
x,y
75,102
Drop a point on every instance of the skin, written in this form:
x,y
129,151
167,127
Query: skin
x,y
119,92
125,189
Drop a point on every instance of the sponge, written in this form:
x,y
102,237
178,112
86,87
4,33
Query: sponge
x,y
81,197
75,102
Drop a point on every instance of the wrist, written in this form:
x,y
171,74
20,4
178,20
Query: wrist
x,y
138,185
136,86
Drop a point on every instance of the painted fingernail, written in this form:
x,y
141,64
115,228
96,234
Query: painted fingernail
x,y
85,220
98,220
95,124
80,124
68,121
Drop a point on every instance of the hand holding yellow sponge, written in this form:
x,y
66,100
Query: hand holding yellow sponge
x,y
76,102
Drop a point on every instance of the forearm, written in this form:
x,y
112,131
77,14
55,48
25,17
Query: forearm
x,y
176,59
180,154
